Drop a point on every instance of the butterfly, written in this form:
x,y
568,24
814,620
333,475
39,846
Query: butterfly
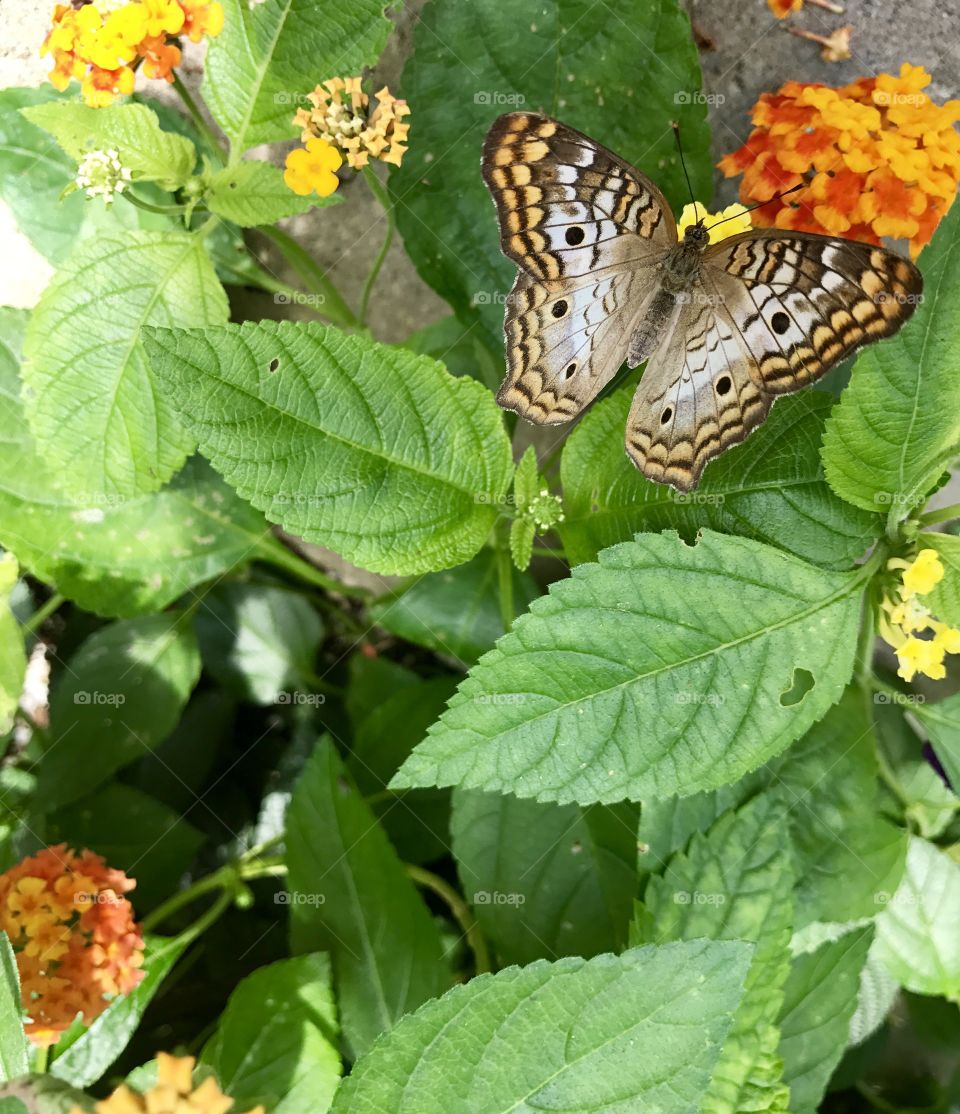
x,y
725,328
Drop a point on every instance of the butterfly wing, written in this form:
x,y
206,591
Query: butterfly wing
x,y
586,231
774,311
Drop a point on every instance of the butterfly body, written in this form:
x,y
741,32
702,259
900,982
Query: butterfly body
x,y
725,328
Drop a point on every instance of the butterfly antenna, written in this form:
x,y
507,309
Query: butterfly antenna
x,y
760,204
676,135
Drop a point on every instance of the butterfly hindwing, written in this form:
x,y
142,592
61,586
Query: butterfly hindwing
x,y
586,231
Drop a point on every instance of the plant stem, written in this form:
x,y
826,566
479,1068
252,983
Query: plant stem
x,y
334,308
216,149
274,553
549,551
461,911
41,1058
941,514
227,878
504,574
43,613
387,205
148,206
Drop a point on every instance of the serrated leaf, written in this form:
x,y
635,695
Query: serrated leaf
x,y
942,723
251,193
259,70
545,880
455,613
526,479
89,1056
122,694
133,130
276,1041
898,422
618,684
944,599
572,61
14,1057
575,1035
350,896
116,557
99,418
376,453
877,994
734,883
522,533
917,938
771,488
259,641
820,999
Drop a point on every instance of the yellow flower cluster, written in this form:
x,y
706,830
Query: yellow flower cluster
x,y
904,619
734,218
174,1093
73,934
102,42
874,158
341,114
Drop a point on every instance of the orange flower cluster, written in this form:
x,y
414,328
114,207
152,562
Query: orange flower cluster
x,y
73,934
341,115
102,42
174,1093
875,158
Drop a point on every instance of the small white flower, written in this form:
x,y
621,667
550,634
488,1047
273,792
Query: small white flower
x,y
102,174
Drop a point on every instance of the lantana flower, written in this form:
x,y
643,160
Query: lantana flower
x,y
727,222
874,158
174,1093
74,937
782,8
313,168
102,174
342,115
100,43
920,640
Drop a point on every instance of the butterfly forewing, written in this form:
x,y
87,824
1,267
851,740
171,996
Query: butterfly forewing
x,y
586,231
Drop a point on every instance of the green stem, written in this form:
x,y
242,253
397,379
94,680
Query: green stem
x,y
866,641
461,911
941,514
206,919
228,878
216,148
148,206
334,308
277,554
43,613
504,574
387,205
41,1058
549,551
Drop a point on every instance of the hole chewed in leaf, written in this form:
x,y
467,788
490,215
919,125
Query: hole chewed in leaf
x,y
803,681
275,363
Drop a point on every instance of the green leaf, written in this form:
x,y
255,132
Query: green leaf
x,y
92,1053
620,682
526,479
100,420
545,880
571,60
456,345
898,422
260,642
454,613
350,895
820,999
637,1031
942,723
522,532
251,193
14,1054
927,803
944,599
917,938
13,658
276,1043
770,488
115,557
380,455
134,131
122,693
134,833
734,883
259,69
